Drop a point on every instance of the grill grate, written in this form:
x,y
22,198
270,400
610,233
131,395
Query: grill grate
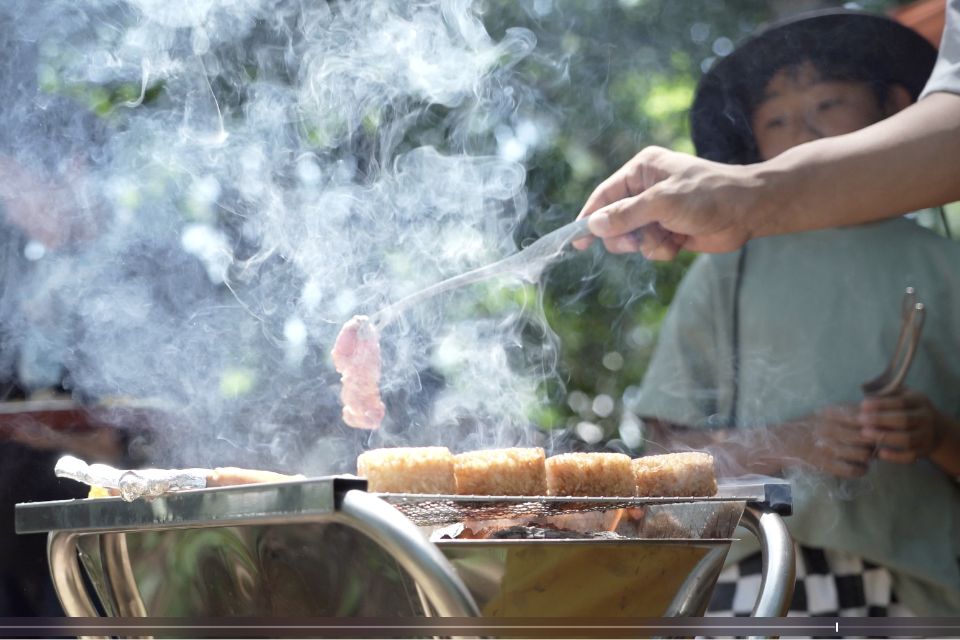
x,y
439,509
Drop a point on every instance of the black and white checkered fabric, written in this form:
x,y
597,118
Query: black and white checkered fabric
x,y
829,584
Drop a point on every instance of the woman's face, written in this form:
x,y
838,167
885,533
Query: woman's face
x,y
799,107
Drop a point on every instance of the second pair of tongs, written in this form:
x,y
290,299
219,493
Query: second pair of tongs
x,y
891,380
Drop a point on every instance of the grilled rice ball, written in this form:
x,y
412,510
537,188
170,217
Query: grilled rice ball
x,y
590,474
408,470
501,472
690,473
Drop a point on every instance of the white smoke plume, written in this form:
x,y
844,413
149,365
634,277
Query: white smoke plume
x,y
227,182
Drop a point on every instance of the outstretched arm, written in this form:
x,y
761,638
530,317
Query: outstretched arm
x,y
906,162
829,441
839,441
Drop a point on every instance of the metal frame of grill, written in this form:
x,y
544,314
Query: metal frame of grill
x,y
390,520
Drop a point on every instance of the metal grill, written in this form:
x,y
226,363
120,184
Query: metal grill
x,y
228,530
440,509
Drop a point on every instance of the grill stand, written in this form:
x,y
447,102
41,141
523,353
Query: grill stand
x,y
366,513
779,562
440,587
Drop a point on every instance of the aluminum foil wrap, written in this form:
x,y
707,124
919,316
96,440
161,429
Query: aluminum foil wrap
x,y
132,484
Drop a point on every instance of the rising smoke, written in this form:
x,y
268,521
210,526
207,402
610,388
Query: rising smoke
x,y
206,190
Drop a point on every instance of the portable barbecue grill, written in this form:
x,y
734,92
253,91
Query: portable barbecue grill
x,y
292,549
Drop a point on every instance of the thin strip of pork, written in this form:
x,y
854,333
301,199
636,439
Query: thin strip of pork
x,y
356,356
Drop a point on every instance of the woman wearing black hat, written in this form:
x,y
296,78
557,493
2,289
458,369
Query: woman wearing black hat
x,y
763,352
905,163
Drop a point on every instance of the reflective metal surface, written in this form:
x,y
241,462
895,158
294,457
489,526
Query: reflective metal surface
x,y
278,570
65,572
256,503
582,578
403,541
251,503
312,569
693,596
119,577
779,562
293,549
644,561
221,566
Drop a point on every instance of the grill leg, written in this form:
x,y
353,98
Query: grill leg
x,y
65,572
422,560
779,562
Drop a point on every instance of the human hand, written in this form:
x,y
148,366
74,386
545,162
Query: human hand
x,y
903,427
678,201
830,441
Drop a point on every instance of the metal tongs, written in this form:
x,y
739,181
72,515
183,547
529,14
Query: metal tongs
x,y
528,262
891,380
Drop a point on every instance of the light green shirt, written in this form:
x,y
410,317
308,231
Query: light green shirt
x,y
819,315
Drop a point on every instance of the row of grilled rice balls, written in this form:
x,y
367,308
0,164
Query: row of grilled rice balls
x,y
528,472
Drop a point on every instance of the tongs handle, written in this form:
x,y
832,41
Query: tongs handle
x,y
906,315
916,329
910,333
911,323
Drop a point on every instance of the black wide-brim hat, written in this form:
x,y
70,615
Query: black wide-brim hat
x,y
877,49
